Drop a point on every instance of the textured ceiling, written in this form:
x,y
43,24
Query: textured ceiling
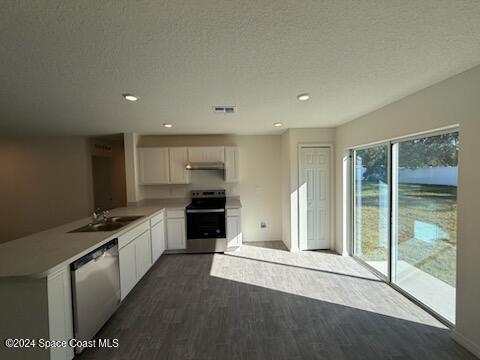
x,y
64,64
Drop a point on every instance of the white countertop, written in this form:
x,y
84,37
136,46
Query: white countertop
x,y
43,253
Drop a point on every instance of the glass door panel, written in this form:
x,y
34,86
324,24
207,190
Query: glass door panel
x,y
424,193
371,207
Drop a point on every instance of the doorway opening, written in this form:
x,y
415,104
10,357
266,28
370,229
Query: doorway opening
x,y
108,172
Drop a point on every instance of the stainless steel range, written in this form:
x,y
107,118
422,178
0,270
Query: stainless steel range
x,y
206,230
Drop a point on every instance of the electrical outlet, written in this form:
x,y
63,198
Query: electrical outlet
x,y
263,224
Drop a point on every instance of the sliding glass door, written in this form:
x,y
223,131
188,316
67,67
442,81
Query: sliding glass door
x,y
425,220
371,207
415,212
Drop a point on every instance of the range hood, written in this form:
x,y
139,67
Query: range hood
x,y
205,166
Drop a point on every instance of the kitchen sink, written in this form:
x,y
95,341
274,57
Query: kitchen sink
x,y
109,224
122,219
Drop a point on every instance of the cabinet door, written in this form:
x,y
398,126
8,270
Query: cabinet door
x,y
215,154
128,271
231,164
158,240
196,154
234,231
60,318
176,234
206,154
153,166
143,254
178,161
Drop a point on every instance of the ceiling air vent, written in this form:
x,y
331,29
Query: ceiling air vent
x,y
225,109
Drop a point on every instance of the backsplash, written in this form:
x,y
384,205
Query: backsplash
x,y
200,180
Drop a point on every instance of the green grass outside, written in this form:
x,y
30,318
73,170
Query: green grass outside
x,y
428,203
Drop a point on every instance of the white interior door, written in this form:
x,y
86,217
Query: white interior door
x,y
314,198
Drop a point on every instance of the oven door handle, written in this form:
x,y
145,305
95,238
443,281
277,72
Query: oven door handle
x,y
197,211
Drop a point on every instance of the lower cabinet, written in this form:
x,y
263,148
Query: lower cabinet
x,y
128,269
176,239
135,260
234,228
143,254
157,232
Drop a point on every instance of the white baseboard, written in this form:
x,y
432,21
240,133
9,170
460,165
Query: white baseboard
x,y
465,342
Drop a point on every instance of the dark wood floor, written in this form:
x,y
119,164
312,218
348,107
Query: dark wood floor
x,y
262,302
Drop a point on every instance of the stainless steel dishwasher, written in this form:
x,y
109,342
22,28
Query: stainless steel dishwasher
x,y
96,290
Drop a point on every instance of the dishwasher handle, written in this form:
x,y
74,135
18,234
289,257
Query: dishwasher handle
x,y
94,255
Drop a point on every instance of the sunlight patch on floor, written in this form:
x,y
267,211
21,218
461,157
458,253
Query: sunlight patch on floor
x,y
322,276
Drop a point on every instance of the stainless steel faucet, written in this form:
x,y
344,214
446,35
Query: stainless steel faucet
x,y
96,215
100,215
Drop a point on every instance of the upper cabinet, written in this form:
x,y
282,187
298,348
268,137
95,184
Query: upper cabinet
x,y
178,163
158,166
206,154
153,166
231,164
163,165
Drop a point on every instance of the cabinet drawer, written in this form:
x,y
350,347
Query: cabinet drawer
x,y
157,218
132,234
175,214
233,212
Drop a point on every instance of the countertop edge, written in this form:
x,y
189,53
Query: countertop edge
x,y
46,273
232,203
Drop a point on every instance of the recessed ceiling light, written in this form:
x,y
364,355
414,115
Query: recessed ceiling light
x,y
130,97
277,124
168,125
303,97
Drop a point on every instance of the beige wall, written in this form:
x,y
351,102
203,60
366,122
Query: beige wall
x,y
44,182
291,139
450,102
259,187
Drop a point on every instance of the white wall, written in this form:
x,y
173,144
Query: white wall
x,y
134,192
259,187
450,102
286,209
44,182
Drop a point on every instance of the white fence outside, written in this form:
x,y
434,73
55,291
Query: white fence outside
x,y
447,175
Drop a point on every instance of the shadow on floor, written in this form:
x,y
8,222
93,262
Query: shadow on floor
x,y
277,245
180,311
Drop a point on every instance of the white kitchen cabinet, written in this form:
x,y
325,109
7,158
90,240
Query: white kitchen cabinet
x,y
128,269
60,318
153,166
178,161
157,232
206,154
234,228
135,256
231,164
143,254
176,234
